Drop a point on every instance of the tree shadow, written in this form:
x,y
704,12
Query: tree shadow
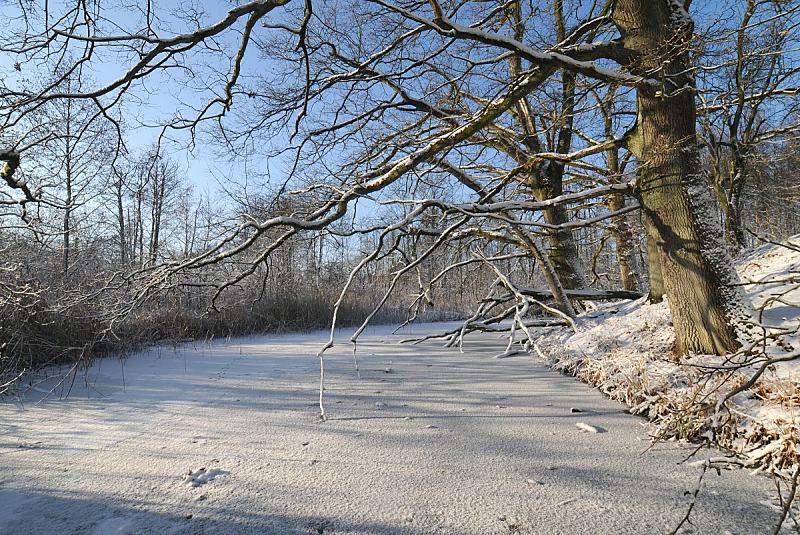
x,y
44,512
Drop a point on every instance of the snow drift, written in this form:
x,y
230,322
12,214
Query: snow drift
x,y
626,351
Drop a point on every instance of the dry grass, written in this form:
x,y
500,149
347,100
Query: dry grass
x,y
682,403
45,334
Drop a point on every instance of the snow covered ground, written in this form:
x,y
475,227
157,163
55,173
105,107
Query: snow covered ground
x,y
625,350
224,438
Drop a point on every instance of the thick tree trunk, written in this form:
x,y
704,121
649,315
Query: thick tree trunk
x,y
563,253
734,231
698,274
590,294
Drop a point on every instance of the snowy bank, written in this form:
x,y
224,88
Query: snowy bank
x,y
626,351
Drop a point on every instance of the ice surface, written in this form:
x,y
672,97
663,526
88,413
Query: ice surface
x,y
439,458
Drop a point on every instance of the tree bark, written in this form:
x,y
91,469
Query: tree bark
x,y
547,180
733,212
655,277
119,197
562,250
551,278
67,222
728,183
156,210
139,225
620,229
68,200
699,280
623,237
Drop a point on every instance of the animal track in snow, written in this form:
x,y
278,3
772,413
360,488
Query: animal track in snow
x,y
202,475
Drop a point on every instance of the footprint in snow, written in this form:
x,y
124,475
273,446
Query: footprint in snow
x,y
201,476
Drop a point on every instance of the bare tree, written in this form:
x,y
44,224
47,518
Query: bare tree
x,y
485,128
749,99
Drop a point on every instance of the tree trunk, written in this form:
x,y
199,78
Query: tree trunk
x,y
727,185
620,229
733,214
67,223
698,274
551,278
623,237
139,236
655,277
547,181
123,249
562,251
155,214
590,294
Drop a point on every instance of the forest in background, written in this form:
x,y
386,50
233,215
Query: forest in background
x,y
410,159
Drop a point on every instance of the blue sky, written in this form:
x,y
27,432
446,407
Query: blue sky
x,y
161,94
